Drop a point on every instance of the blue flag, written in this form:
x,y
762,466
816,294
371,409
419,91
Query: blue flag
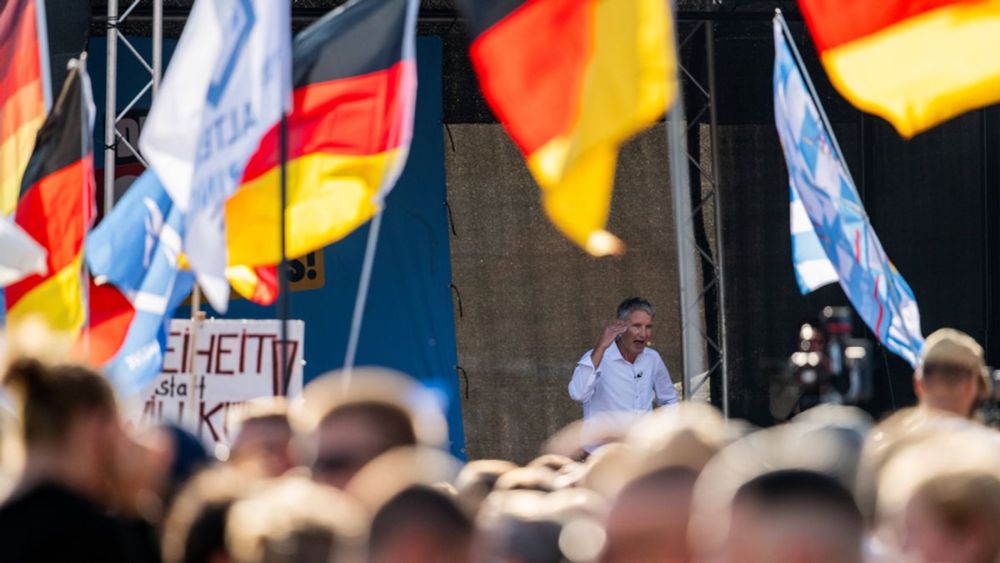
x,y
228,83
136,248
832,238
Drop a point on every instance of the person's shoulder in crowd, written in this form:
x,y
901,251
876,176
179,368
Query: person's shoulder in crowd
x,y
50,523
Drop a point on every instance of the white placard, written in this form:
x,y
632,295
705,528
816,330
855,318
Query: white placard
x,y
234,361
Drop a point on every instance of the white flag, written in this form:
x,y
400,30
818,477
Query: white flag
x,y
228,83
20,255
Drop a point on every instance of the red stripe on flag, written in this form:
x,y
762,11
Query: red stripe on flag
x,y
111,316
56,211
18,42
266,290
350,116
531,68
881,311
836,22
25,70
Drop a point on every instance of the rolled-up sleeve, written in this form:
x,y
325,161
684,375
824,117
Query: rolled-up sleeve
x,y
666,394
585,376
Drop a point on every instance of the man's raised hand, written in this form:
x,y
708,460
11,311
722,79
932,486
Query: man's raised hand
x,y
611,332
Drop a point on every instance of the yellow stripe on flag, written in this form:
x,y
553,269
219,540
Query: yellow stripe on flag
x,y
58,302
15,152
243,279
923,70
328,197
630,81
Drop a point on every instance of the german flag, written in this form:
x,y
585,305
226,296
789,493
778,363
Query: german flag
x,y
258,284
23,81
571,80
354,74
915,63
56,208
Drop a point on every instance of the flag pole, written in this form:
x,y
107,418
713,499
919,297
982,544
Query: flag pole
x,y
283,371
362,296
41,21
81,66
812,89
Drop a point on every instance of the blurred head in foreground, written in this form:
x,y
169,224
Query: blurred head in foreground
x,y
954,518
782,494
70,426
649,519
794,516
939,496
951,373
524,526
348,423
420,525
195,527
263,439
478,479
294,520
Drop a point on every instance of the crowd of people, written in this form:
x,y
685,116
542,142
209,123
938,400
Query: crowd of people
x,y
355,470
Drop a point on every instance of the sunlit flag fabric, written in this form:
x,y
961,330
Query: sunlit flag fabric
x,y
133,255
571,80
813,269
56,208
227,84
914,62
24,85
349,132
20,255
258,283
839,233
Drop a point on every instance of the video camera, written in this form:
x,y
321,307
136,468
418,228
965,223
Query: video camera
x,y
829,367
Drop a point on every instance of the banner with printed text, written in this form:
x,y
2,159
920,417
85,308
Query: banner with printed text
x,y
233,361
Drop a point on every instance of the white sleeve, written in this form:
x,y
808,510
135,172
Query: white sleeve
x,y
666,394
581,386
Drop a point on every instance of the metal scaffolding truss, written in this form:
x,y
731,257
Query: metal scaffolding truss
x,y
697,216
112,135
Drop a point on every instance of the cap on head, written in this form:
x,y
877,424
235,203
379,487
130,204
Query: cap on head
x,y
952,347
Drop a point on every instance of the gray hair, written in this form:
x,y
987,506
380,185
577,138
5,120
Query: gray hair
x,y
635,304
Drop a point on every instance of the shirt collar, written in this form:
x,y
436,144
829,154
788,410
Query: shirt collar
x,y
616,353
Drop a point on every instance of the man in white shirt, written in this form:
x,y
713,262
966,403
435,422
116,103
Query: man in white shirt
x,y
618,380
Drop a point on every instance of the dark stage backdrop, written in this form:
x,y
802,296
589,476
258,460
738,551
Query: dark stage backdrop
x,y
932,201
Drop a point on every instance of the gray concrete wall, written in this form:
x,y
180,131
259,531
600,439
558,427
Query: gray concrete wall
x,y
532,301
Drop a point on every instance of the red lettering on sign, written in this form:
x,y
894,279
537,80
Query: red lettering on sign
x,y
222,351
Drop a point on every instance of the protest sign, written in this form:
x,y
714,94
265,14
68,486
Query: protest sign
x,y
233,361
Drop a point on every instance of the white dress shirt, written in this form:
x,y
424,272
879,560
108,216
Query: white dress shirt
x,y
620,391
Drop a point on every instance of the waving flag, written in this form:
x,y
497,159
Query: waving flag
x,y
571,80
914,62
227,84
348,134
133,255
813,269
841,234
57,209
21,255
25,92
